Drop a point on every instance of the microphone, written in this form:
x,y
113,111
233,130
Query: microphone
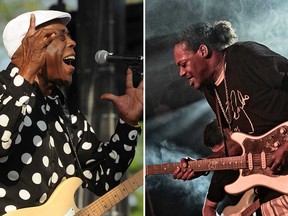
x,y
103,57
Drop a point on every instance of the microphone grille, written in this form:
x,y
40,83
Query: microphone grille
x,y
101,57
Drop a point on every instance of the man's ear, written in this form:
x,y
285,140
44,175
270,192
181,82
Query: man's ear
x,y
204,51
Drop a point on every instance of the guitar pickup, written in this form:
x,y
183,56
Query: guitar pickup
x,y
250,161
263,160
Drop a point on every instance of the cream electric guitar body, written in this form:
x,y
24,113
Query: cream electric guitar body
x,y
61,202
257,152
246,201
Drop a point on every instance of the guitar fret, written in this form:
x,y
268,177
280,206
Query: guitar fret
x,y
227,163
108,200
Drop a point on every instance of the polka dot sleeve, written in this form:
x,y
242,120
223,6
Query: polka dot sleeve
x,y
15,94
104,163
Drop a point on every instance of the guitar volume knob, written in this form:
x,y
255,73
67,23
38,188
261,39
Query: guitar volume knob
x,y
276,144
283,130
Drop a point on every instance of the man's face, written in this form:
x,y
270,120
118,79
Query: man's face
x,y
59,55
192,65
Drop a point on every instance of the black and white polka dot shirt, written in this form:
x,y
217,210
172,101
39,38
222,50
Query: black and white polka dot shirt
x,y
35,149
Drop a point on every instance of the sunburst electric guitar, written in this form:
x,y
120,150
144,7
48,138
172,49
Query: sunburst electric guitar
x,y
252,164
61,202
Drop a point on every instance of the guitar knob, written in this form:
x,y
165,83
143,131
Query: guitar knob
x,y
276,144
283,130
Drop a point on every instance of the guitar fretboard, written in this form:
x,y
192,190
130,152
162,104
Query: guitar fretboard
x,y
226,163
111,198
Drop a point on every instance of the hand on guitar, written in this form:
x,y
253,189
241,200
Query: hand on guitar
x,y
279,159
185,172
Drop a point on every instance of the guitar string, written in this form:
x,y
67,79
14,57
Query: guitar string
x,y
90,208
167,167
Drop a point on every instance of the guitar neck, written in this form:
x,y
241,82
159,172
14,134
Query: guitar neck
x,y
111,198
226,163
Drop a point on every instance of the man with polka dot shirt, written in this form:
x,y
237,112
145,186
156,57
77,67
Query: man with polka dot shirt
x,y
44,140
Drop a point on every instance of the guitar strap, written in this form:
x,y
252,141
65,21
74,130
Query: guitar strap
x,y
221,129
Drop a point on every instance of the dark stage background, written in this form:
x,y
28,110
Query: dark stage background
x,y
176,114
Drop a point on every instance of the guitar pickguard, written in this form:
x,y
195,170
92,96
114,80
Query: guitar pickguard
x,y
265,145
258,151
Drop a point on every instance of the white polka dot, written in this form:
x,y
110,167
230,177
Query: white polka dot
x,y
52,143
27,121
21,127
85,126
108,171
24,108
42,125
18,139
18,81
100,147
3,159
37,141
61,120
10,208
6,100
106,186
18,104
49,182
7,144
97,176
79,134
115,138
133,134
113,154
90,161
29,109
73,119
54,178
13,175
67,137
26,158
37,178
86,145
6,136
102,172
92,130
45,161
66,148
70,170
117,159
60,163
58,127
43,109
87,174
4,119
14,71
24,194
24,99
47,107
121,121
127,147
2,192
118,176
43,198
